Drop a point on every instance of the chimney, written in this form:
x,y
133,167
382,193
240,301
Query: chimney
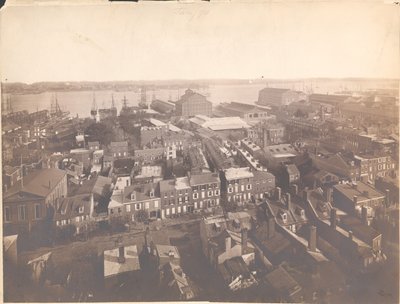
x,y
295,189
350,235
121,255
278,193
364,215
387,197
288,201
271,227
227,243
244,241
91,205
312,241
333,218
355,198
306,195
328,194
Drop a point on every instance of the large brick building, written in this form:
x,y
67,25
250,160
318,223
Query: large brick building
x,y
33,199
192,104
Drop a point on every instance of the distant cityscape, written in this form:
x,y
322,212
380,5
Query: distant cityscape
x,y
291,197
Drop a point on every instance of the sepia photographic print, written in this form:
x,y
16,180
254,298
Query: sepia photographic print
x,y
213,151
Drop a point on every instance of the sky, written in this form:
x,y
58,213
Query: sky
x,y
154,40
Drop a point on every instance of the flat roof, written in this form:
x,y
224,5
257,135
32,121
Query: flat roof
x,y
111,265
361,190
238,173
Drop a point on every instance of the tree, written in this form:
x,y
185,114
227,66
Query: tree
x,y
142,216
300,113
100,132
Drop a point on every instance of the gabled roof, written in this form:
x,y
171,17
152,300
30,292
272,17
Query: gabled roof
x,y
292,169
142,192
282,281
70,207
40,182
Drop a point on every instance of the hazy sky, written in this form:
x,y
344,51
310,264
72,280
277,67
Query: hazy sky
x,y
154,40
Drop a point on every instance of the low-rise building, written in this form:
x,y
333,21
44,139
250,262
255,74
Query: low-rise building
x,y
33,199
279,97
263,184
236,274
350,197
119,149
134,200
77,210
283,286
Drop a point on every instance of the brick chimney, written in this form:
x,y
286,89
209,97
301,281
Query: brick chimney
x,y
387,197
288,201
228,244
295,189
328,194
121,255
312,240
364,215
278,193
244,240
306,195
271,227
333,218
350,235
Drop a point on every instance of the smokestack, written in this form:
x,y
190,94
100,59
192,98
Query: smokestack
x,y
244,241
288,201
333,218
121,255
271,227
312,241
328,194
364,215
227,243
295,189
278,193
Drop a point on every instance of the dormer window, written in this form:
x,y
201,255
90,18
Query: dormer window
x,y
133,196
81,209
152,193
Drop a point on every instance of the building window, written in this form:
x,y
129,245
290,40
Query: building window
x,y
37,211
230,190
128,208
216,192
137,206
81,209
7,214
22,213
248,187
155,204
210,193
147,205
195,195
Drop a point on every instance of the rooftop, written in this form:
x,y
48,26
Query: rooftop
x,y
40,182
361,190
204,178
156,122
238,173
111,265
281,281
182,183
150,171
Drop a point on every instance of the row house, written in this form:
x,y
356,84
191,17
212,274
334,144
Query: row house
x,y
351,197
372,167
77,210
134,199
189,194
119,149
237,184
